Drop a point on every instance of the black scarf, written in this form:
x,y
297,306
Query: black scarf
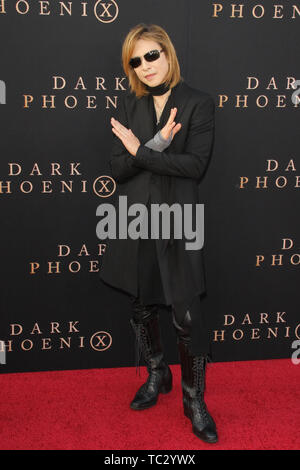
x,y
157,90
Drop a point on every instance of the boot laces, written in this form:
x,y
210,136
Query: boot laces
x,y
142,345
198,367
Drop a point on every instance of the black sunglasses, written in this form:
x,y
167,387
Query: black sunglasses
x,y
149,57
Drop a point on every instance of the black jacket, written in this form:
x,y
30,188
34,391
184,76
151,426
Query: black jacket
x,y
172,176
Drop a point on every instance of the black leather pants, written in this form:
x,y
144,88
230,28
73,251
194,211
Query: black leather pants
x,y
190,326
142,312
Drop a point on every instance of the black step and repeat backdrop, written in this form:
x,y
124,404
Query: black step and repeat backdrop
x,y
60,81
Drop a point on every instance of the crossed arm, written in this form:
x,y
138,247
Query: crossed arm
x,y
121,163
122,167
190,164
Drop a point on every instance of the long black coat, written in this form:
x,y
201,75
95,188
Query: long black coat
x,y
172,176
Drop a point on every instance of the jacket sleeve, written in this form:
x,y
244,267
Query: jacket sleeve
x,y
121,164
158,142
193,161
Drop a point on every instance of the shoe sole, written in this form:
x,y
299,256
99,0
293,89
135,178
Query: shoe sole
x,y
142,407
164,389
209,441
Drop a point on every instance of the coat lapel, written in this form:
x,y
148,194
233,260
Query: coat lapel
x,y
176,99
146,116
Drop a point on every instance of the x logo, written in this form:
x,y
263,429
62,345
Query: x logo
x,y
109,11
104,186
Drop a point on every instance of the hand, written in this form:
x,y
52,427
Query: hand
x,y
166,130
130,141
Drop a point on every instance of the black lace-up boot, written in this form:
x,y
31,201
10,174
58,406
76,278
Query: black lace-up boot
x,y
193,370
145,323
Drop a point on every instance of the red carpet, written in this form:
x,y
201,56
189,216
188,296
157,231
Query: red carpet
x,y
256,405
